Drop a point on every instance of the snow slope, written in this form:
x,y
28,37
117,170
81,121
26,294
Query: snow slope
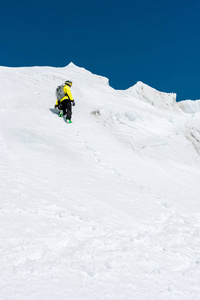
x,y
190,106
105,208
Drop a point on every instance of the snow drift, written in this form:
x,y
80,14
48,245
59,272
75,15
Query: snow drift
x,y
189,106
104,208
152,96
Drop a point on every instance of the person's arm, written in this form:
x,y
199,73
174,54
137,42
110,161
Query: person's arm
x,y
56,105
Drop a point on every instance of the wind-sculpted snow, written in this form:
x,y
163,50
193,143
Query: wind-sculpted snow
x,y
104,208
189,106
192,132
152,96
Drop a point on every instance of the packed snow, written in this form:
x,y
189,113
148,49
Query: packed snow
x,y
105,208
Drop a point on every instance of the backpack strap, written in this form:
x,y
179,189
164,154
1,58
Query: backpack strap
x,y
67,95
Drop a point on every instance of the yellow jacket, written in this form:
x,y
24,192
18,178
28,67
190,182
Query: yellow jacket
x,y
67,91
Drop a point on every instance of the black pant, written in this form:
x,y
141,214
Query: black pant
x,y
66,107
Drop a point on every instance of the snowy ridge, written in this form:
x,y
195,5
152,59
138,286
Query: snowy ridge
x,y
105,208
189,106
152,96
162,100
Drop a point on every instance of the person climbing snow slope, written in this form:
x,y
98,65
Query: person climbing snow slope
x,y
65,100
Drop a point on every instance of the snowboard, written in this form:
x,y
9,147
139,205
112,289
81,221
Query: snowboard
x,y
54,110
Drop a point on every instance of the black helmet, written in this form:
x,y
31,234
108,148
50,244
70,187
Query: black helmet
x,y
68,82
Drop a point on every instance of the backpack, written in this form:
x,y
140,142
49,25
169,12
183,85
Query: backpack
x,y
59,92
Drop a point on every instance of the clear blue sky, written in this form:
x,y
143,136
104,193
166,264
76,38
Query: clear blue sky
x,y
155,41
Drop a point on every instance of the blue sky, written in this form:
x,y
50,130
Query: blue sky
x,y
156,42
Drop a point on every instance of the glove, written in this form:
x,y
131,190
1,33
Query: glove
x,y
73,103
59,105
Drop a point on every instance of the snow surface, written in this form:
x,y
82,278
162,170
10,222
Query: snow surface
x,y
107,207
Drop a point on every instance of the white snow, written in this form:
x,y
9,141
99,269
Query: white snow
x,y
107,207
189,106
152,96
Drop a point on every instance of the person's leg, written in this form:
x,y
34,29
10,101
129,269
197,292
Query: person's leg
x,y
60,109
69,109
64,106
